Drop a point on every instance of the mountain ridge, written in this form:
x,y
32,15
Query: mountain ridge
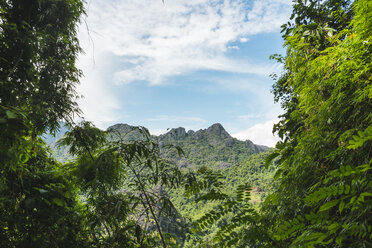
x,y
212,146
180,132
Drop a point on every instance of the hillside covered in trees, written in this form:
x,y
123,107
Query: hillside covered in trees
x,y
187,189
212,147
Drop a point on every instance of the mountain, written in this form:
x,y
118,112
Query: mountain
x,y
213,147
60,153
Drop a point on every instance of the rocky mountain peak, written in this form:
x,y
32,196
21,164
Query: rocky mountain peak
x,y
176,133
121,127
212,145
218,129
129,132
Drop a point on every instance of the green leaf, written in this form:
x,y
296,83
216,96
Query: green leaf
x,y
341,206
339,240
347,189
364,194
43,191
333,227
11,114
328,205
270,158
58,202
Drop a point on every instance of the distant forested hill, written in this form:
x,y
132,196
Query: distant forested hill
x,y
212,147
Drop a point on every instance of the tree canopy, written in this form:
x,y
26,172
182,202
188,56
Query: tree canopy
x,y
38,47
324,186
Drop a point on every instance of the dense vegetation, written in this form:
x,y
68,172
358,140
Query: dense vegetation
x,y
326,129
38,48
117,192
210,150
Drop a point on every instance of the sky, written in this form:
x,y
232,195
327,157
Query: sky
x,y
189,63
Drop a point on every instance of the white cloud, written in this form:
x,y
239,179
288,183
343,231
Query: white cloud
x,y
157,41
259,134
233,47
98,102
150,41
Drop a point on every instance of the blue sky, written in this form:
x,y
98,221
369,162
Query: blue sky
x,y
187,63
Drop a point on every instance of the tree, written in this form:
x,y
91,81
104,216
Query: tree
x,y
324,158
121,182
38,48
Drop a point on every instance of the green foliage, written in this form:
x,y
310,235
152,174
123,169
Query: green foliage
x,y
235,208
38,47
39,205
334,13
221,205
101,198
324,182
123,184
84,138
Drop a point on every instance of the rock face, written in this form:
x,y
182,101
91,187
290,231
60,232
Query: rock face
x,y
175,134
123,128
217,129
126,131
